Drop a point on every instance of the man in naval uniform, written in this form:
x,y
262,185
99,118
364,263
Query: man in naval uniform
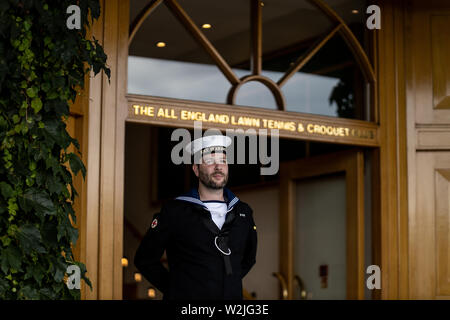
x,y
209,234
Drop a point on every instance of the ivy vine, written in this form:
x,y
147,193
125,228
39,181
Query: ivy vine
x,y
42,67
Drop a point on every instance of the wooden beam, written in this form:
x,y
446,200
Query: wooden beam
x,y
198,35
141,17
256,39
302,60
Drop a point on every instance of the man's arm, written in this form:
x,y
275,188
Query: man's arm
x,y
250,249
148,255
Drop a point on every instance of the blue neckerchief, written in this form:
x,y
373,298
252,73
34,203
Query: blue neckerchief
x,y
193,197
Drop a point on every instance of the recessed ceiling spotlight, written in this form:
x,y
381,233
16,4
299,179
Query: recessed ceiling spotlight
x,y
206,26
137,277
161,44
151,293
354,11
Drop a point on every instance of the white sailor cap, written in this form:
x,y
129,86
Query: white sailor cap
x,y
209,144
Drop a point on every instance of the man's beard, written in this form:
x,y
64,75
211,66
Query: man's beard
x,y
209,182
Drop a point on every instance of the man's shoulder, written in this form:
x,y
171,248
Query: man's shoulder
x,y
245,206
174,204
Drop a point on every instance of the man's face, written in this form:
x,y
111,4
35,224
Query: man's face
x,y
213,171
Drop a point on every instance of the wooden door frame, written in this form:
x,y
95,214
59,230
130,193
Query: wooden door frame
x,y
105,121
350,162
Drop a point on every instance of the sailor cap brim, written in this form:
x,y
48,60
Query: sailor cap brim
x,y
209,144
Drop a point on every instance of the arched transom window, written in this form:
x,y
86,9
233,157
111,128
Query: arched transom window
x,y
309,56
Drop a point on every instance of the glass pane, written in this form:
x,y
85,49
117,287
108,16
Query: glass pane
x,y
289,26
230,28
180,69
353,12
255,94
329,84
320,239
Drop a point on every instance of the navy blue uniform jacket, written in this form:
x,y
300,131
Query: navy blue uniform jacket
x,y
185,229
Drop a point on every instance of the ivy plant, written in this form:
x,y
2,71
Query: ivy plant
x,y
43,65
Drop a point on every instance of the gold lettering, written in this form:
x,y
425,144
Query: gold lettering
x,y
143,110
166,113
212,118
224,119
300,128
172,114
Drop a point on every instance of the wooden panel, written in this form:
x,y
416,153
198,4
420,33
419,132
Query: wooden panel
x,y
77,127
433,139
440,46
430,22
74,126
429,236
428,87
442,198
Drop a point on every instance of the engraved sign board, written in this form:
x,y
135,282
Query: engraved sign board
x,y
290,124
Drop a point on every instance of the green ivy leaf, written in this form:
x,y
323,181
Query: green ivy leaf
x,y
32,92
76,164
42,67
6,190
40,201
30,239
11,258
36,104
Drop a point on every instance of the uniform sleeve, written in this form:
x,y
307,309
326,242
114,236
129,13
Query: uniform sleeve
x,y
148,255
250,249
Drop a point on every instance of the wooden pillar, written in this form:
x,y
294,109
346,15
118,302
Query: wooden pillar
x,y
392,221
103,225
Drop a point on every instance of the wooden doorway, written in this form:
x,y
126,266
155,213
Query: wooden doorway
x,y
338,170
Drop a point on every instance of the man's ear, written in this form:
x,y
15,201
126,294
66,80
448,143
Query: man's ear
x,y
195,169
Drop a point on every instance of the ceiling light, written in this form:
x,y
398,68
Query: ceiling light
x,y
161,44
151,293
124,262
262,4
137,277
206,26
354,11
